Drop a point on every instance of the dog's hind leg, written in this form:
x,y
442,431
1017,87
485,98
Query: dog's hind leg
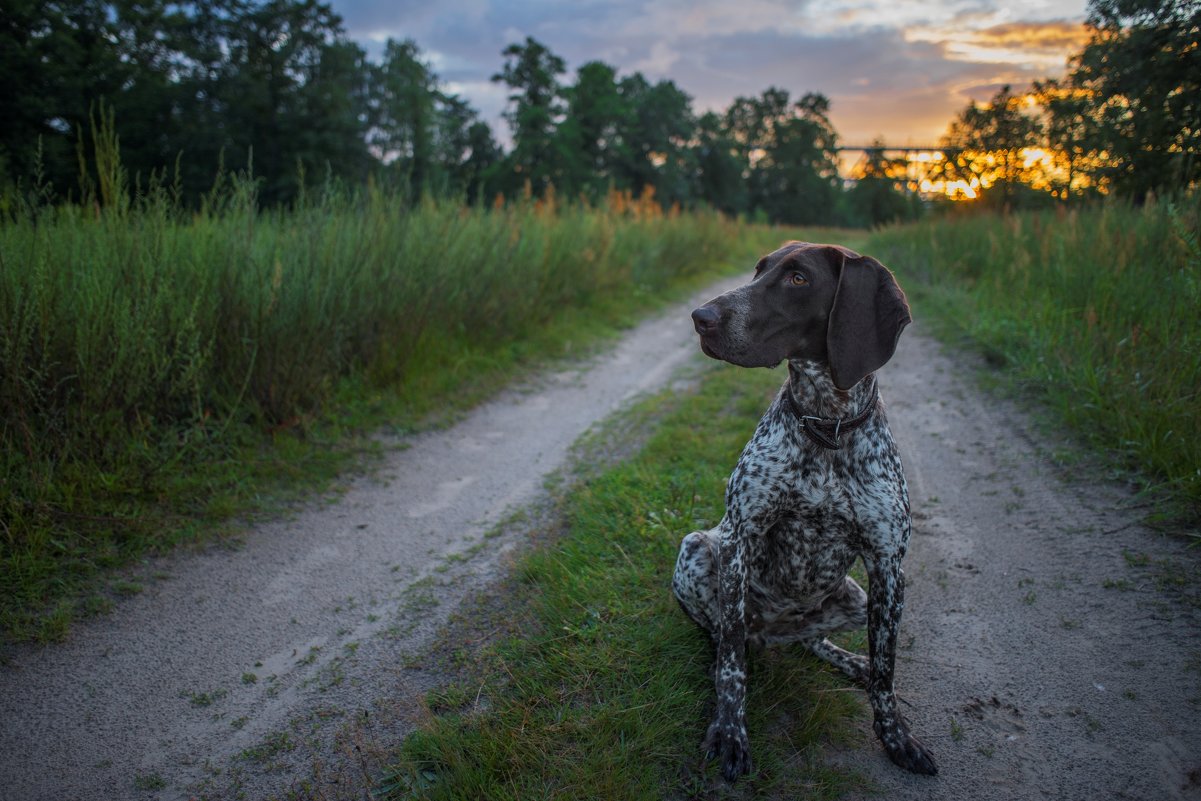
x,y
695,580
853,665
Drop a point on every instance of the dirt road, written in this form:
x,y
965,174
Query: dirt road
x,y
1050,644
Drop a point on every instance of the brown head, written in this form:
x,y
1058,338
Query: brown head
x,y
821,303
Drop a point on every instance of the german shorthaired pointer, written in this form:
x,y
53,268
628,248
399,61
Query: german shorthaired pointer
x,y
818,485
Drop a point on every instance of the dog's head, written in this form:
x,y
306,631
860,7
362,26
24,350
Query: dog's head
x,y
821,303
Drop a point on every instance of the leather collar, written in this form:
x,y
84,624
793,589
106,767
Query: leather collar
x,y
826,430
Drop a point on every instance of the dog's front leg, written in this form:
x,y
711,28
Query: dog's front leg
x,y
885,599
727,737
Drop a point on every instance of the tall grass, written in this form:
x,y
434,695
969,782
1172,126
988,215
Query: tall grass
x,y
1097,311
153,359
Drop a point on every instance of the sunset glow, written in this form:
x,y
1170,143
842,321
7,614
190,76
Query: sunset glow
x,y
926,173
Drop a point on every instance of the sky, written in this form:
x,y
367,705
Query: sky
x,y
895,69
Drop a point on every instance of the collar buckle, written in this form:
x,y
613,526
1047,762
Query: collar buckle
x,y
819,436
812,425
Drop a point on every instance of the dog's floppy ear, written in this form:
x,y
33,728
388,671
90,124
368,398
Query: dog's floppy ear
x,y
867,317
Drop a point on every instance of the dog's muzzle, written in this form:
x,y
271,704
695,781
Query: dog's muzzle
x,y
705,320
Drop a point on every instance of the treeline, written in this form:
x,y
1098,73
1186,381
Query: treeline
x,y
276,86
198,87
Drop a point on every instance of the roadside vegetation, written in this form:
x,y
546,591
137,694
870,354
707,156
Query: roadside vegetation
x,y
163,369
1093,312
597,685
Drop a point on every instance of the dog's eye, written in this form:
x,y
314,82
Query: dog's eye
x,y
796,279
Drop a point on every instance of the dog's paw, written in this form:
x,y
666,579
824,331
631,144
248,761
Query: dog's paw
x,y
728,742
905,750
913,756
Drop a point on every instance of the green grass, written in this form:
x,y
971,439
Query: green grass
x,y
600,686
1095,313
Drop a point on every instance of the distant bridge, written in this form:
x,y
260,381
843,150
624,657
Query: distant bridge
x,y
893,148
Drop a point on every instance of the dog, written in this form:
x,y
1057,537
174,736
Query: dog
x,y
818,485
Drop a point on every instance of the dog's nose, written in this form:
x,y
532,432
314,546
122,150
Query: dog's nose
x,y
705,319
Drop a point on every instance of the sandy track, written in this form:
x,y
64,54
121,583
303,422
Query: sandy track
x,y
1051,646
1046,649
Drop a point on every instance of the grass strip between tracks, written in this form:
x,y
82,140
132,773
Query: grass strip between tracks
x,y
597,685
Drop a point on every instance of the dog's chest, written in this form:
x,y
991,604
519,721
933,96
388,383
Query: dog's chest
x,y
809,541
805,513
778,477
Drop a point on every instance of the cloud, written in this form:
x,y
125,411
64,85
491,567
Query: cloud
x,y
662,57
1055,37
688,18
1044,44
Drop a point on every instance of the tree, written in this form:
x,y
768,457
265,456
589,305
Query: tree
x,y
430,140
404,99
1142,73
465,154
986,140
478,173
792,170
531,71
879,195
1070,133
590,141
59,60
212,81
655,137
331,113
277,53
720,166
